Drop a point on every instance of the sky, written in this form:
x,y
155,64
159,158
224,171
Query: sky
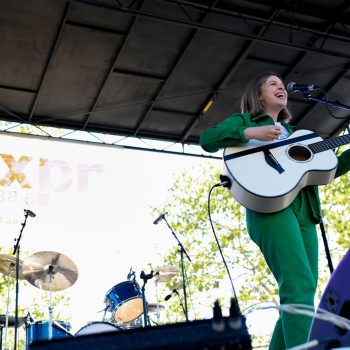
x,y
93,205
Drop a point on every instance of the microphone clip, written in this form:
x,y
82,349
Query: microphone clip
x,y
131,275
146,277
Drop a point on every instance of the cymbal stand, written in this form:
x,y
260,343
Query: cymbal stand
x,y
51,273
1,328
158,312
7,307
16,252
182,253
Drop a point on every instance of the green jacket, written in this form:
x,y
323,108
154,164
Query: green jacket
x,y
230,133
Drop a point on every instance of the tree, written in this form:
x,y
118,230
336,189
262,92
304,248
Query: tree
x,y
206,277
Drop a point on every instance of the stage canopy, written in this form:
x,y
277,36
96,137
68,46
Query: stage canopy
x,y
167,69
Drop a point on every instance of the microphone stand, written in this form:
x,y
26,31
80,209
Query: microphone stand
x,y
307,96
16,252
182,252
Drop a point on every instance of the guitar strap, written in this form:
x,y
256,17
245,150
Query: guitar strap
x,y
266,148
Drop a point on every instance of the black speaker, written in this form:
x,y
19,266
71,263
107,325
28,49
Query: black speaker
x,y
335,299
225,333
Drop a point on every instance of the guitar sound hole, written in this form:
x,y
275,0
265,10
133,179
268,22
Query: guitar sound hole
x,y
299,153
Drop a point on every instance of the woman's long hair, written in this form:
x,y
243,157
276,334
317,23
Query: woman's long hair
x,y
250,102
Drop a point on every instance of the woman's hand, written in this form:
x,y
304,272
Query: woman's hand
x,y
263,133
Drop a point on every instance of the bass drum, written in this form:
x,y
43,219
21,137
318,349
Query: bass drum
x,y
97,327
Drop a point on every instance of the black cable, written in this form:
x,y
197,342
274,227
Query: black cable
x,y
226,183
327,106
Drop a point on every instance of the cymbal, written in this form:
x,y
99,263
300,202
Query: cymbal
x,y
10,321
153,307
165,273
8,264
38,267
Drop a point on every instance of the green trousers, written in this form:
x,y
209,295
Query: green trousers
x,y
288,241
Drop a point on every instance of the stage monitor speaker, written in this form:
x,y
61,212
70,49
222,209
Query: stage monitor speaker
x,y
335,299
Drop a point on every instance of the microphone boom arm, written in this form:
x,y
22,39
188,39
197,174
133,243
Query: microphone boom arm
x,y
307,96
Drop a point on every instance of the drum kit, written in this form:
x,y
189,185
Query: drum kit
x,y
125,303
48,271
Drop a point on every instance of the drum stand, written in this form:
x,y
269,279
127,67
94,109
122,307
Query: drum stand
x,y
145,278
157,299
7,310
50,303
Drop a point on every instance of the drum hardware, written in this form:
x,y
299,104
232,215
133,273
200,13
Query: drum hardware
x,y
165,273
131,275
6,322
8,267
155,307
8,264
50,271
145,278
124,302
46,330
97,327
58,326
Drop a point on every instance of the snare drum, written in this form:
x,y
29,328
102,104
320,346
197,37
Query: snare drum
x,y
40,330
124,301
97,327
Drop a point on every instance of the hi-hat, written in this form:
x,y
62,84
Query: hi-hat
x,y
165,273
155,307
10,321
8,265
38,268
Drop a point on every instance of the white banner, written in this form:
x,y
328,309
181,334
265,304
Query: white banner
x,y
92,204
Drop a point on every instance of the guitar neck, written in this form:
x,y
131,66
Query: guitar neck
x,y
332,143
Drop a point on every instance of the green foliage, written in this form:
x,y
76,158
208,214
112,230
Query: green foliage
x,y
206,277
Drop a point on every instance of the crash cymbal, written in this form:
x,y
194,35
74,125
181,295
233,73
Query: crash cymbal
x,y
11,321
153,307
8,264
38,267
165,273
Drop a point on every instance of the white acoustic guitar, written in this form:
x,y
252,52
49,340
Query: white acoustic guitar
x,y
267,176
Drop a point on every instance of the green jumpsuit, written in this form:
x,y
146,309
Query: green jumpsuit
x,y
287,239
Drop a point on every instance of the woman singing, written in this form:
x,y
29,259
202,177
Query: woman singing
x,y
287,238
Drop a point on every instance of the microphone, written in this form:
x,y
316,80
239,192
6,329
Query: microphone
x,y
159,218
29,213
293,87
174,291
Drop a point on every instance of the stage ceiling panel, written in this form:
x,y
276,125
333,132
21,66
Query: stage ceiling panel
x,y
151,68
